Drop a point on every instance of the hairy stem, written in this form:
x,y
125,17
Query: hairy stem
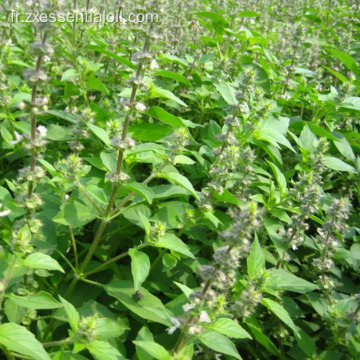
x,y
73,241
34,120
114,259
57,343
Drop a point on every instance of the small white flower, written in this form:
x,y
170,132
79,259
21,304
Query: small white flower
x,y
140,107
204,317
187,307
18,138
66,197
9,42
42,130
131,142
154,64
5,212
176,324
21,105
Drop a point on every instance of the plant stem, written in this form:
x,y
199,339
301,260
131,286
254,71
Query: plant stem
x,y
126,128
73,241
281,261
116,258
88,257
83,190
74,26
34,120
103,223
128,197
57,343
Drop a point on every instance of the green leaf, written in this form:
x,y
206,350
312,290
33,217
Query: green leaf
x,y
213,16
280,312
305,342
42,261
230,328
346,59
116,57
100,133
166,191
355,251
227,197
142,190
340,76
320,304
258,333
97,194
149,132
308,139
182,181
343,146
148,307
152,348
71,313
13,312
69,74
139,215
171,75
65,116
283,280
68,355
74,214
18,339
182,159
351,103
185,289
227,92
280,178
109,160
40,300
144,335
165,117
140,267
156,92
102,350
334,163
256,259
173,243
176,59
5,133
273,130
248,13
95,84
107,329
218,342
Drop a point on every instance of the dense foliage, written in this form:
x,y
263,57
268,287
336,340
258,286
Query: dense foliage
x,y
186,188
